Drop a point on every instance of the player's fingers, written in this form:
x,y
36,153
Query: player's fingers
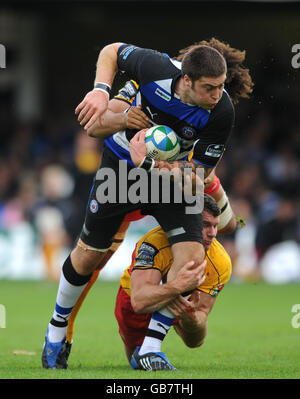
x,y
79,107
195,297
83,112
137,123
174,308
202,279
181,306
142,134
189,264
91,121
86,117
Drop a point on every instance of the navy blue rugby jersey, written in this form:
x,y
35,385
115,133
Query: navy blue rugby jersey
x,y
206,132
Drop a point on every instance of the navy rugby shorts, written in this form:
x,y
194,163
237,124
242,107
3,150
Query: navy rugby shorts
x,y
103,219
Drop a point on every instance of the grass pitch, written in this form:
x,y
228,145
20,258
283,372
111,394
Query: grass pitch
x,y
250,336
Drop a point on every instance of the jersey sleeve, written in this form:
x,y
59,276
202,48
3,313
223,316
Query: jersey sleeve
x,y
210,147
152,256
142,65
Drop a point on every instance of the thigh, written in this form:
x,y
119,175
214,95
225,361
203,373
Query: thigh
x,y
104,215
177,224
132,326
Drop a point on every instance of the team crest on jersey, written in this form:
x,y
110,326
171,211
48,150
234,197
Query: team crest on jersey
x,y
145,255
93,206
217,289
214,150
188,132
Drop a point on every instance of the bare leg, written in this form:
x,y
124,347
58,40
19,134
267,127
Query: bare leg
x,y
184,252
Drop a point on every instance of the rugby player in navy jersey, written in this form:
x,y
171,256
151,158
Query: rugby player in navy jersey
x,y
190,98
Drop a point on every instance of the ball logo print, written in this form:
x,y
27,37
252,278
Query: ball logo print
x,y
162,143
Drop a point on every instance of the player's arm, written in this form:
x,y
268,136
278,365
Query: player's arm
x,y
148,295
95,102
192,315
228,221
112,58
120,114
111,121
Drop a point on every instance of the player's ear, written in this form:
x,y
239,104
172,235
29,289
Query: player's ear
x,y
188,82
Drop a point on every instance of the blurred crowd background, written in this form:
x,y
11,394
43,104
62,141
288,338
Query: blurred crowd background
x,y
47,162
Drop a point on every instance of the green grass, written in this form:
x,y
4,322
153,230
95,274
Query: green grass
x,y
250,336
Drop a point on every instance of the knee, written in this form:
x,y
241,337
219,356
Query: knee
x,y
187,251
85,261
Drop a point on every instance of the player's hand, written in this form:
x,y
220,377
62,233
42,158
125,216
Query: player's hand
x,y
137,119
209,179
91,107
137,147
189,277
185,309
193,183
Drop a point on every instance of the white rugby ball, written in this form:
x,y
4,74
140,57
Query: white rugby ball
x,y
162,143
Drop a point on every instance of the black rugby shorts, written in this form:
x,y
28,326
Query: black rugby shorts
x,y
103,219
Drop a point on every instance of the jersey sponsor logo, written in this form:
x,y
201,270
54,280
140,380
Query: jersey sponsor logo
x,y
125,53
93,206
162,94
188,132
145,255
214,150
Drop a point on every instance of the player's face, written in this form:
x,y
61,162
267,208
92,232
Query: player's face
x,y
205,92
210,228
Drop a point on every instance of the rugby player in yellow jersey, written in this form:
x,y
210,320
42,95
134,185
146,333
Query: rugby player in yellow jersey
x,y
140,294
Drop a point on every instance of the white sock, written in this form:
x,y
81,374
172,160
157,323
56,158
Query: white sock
x,y
70,287
158,328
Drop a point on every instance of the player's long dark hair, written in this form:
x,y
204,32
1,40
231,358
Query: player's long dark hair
x,y
239,82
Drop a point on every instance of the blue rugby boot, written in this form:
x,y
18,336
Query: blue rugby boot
x,y
152,361
55,354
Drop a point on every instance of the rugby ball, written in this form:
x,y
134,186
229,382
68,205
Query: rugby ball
x,y
162,143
